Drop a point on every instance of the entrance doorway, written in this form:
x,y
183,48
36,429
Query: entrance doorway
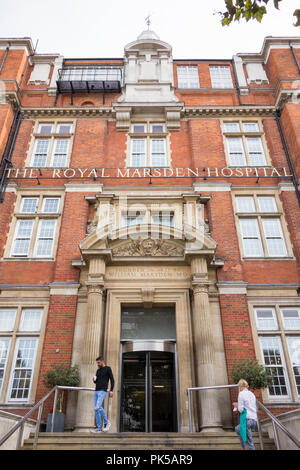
x,y
148,398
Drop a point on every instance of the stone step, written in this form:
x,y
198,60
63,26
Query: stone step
x,y
141,441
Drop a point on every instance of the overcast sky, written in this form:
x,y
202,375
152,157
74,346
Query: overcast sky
x,y
101,28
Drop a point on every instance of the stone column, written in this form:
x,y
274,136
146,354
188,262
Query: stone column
x,y
92,344
204,348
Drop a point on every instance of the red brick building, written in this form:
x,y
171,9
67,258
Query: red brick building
x,y
150,212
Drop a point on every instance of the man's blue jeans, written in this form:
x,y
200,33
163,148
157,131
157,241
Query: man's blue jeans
x,y
99,411
251,426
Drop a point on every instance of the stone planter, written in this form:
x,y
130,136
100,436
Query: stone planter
x,y
59,422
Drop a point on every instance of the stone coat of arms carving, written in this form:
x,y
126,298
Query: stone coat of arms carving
x,y
148,247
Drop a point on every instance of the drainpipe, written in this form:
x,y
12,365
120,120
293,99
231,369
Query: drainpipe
x,y
236,83
295,57
6,159
4,57
277,118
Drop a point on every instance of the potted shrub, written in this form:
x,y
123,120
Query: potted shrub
x,y
61,374
255,374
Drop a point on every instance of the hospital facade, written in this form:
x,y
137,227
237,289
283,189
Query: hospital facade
x,y
150,213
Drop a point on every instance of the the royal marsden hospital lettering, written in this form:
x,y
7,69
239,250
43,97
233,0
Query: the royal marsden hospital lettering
x,y
209,172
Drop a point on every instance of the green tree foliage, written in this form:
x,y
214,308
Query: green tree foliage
x,y
254,373
64,375
249,10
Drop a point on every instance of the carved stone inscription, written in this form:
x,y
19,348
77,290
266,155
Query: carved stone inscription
x,y
151,272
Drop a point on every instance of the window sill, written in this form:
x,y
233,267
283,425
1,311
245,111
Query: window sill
x,y
27,259
48,136
12,405
29,215
257,214
265,258
275,404
148,134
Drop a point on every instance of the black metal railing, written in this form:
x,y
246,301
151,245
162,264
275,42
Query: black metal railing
x,y
108,74
89,80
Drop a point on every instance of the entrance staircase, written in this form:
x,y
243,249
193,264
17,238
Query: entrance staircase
x,y
142,441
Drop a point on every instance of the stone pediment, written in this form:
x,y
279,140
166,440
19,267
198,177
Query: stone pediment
x,y
150,242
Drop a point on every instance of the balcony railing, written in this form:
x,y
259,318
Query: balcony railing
x,y
90,80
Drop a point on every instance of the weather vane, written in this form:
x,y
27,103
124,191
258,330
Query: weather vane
x,y
148,21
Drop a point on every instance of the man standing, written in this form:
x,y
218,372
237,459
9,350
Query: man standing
x,y
103,375
248,411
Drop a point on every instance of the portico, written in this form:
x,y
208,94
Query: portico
x,y
148,270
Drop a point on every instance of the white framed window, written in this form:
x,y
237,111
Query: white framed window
x,y
290,318
233,127
65,128
18,349
40,153
4,352
245,204
255,151
294,352
45,128
34,236
50,205
138,218
29,205
52,144
250,127
138,128
244,143
157,128
148,145
262,234
220,76
45,238
138,152
163,218
22,371
60,153
251,237
236,151
266,318
267,204
23,234
188,76
280,351
158,152
273,358
30,319
274,237
7,319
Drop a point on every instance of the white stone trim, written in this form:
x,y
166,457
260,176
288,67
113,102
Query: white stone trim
x,y
286,187
63,289
11,188
212,187
232,288
83,188
269,44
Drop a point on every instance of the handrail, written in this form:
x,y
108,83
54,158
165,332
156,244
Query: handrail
x,y
275,421
280,425
39,405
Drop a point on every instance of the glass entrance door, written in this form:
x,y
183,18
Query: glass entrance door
x,y
148,399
